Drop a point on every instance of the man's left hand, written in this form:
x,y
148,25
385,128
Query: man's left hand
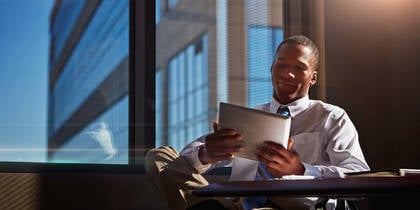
x,y
280,161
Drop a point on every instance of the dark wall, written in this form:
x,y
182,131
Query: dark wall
x,y
372,50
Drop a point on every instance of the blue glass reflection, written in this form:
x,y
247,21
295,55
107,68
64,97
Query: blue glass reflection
x,y
103,46
262,41
86,147
188,95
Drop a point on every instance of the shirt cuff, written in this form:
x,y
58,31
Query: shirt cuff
x,y
192,157
311,170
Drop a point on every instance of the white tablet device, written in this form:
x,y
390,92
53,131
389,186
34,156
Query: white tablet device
x,y
256,126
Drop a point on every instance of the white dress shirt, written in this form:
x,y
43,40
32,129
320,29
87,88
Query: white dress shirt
x,y
324,137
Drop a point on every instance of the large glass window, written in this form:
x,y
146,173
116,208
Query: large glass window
x,y
64,74
90,80
188,94
262,42
212,51
81,71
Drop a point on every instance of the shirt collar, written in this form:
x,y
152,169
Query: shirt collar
x,y
296,107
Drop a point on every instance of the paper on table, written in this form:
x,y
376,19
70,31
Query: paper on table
x,y
297,177
243,169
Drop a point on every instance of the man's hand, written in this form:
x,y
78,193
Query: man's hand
x,y
220,145
280,161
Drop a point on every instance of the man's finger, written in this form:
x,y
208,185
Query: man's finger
x,y
290,144
226,150
215,126
223,141
273,146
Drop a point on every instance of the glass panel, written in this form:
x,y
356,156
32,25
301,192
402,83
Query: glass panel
x,y
221,59
70,97
186,78
261,52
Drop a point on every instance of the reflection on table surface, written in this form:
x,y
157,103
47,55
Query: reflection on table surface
x,y
328,187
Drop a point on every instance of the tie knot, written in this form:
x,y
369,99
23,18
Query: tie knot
x,y
284,111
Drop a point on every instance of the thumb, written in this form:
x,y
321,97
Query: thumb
x,y
290,144
215,126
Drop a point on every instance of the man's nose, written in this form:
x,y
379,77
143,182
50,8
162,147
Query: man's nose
x,y
287,73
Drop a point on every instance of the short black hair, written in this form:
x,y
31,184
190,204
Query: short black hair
x,y
304,41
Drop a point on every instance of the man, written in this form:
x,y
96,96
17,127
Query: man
x,y
323,142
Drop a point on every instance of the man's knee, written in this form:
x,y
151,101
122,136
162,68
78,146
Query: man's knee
x,y
157,158
161,153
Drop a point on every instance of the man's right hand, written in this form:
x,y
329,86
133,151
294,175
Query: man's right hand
x,y
220,145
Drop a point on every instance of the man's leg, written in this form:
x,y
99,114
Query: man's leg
x,y
174,177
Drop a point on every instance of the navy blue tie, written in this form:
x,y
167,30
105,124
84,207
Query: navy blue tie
x,y
283,111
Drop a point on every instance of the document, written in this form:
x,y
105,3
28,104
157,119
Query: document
x,y
386,172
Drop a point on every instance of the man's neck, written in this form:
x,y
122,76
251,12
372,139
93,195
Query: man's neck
x,y
287,101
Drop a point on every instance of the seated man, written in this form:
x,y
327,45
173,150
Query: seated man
x,y
323,142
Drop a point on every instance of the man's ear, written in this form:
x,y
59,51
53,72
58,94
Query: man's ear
x,y
314,77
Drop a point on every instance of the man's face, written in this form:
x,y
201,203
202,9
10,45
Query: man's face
x,y
292,72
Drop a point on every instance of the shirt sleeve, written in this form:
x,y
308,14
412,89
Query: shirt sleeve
x,y
190,153
342,148
311,170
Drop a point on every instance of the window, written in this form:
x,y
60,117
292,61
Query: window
x,y
72,75
210,55
88,109
262,43
89,64
188,94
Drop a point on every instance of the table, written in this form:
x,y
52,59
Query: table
x,y
397,188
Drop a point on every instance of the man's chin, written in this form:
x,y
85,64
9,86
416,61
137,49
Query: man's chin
x,y
286,98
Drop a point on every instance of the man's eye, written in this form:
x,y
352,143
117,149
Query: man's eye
x,y
299,69
281,66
